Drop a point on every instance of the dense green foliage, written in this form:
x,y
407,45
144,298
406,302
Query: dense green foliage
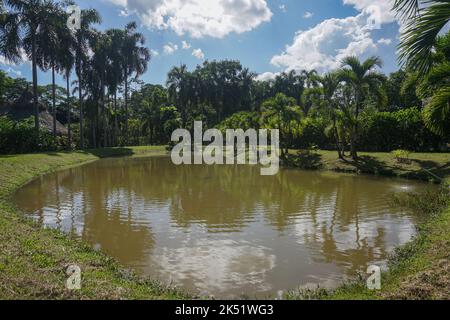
x,y
20,137
350,109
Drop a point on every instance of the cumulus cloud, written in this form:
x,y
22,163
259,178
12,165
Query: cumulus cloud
x,y
266,76
186,45
385,41
200,18
170,48
308,15
198,53
325,45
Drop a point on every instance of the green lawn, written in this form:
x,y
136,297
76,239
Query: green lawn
x,y
33,259
422,166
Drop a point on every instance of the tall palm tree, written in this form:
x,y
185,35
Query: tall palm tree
x,y
18,33
329,87
83,37
66,58
49,50
365,82
283,109
177,87
424,20
136,57
116,73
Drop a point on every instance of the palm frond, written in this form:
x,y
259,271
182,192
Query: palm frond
x,y
437,112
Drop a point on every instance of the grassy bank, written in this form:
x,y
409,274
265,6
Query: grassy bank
x,y
421,166
33,260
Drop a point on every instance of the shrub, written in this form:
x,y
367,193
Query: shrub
x,y
21,137
401,156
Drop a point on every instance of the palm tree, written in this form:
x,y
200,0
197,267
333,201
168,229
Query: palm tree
x,y
330,84
424,20
66,58
177,87
434,89
83,36
18,32
283,110
365,82
115,73
136,58
50,53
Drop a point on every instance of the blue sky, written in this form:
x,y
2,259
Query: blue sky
x,y
268,36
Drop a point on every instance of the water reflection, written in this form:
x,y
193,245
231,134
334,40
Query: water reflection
x,y
225,230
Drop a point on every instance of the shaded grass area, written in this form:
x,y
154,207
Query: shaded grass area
x,y
33,260
421,166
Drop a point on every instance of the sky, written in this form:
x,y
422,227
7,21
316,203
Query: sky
x,y
267,36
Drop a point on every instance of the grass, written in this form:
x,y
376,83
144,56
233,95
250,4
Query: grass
x,y
33,259
421,166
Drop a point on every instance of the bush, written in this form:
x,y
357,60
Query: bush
x,y
401,156
21,137
404,129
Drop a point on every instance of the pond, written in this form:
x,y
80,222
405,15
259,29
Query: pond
x,y
226,231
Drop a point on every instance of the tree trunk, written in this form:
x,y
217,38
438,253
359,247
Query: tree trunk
x,y
80,101
54,99
69,129
35,93
116,123
126,108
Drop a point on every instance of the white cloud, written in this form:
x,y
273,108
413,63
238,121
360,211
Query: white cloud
x,y
200,18
198,53
154,52
23,57
170,48
186,45
308,15
266,76
380,10
15,72
325,45
385,41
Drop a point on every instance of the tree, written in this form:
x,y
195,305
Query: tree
x,y
82,38
50,53
330,85
282,110
365,83
136,58
18,33
424,20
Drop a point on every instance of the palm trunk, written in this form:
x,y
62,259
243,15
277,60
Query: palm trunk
x,y
80,94
80,100
35,93
116,123
126,107
69,129
54,99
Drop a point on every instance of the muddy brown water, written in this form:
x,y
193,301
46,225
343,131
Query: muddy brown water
x,y
226,231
